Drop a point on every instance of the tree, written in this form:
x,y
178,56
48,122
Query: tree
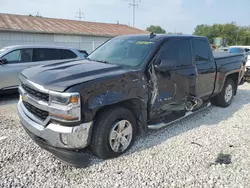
x,y
233,33
156,29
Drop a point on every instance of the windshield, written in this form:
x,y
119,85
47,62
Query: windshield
x,y
123,51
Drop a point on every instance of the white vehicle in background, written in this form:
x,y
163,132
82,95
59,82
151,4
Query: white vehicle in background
x,y
14,59
246,52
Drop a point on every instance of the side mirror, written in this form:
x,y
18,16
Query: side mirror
x,y
3,61
165,65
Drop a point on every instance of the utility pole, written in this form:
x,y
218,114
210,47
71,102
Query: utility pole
x,y
134,5
80,15
38,15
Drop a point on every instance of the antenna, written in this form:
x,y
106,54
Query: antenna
x,y
80,15
134,5
152,35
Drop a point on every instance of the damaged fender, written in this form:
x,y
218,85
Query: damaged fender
x,y
129,90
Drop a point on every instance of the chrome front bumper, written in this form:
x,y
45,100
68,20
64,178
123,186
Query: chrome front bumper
x,y
56,135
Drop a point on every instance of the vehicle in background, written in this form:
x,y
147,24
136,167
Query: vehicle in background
x,y
248,59
129,84
220,42
84,52
247,50
237,50
14,59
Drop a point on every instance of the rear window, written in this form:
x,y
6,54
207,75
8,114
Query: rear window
x,y
201,50
85,54
67,54
45,54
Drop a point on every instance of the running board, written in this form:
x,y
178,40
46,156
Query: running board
x,y
161,125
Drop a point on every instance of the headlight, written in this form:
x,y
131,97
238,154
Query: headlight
x,y
65,106
64,98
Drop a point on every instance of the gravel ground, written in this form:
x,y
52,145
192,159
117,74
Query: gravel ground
x,y
181,155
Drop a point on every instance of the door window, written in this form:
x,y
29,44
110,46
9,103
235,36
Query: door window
x,y
45,54
67,54
201,50
178,51
19,56
13,57
26,55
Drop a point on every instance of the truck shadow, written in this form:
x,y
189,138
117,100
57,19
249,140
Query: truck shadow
x,y
208,117
8,98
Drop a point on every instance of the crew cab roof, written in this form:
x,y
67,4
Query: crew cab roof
x,y
158,37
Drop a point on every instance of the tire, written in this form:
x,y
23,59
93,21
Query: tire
x,y
225,97
110,121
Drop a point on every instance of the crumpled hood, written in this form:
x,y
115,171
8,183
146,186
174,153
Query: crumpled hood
x,y
60,76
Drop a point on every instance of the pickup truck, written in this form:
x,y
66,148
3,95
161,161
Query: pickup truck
x,y
127,86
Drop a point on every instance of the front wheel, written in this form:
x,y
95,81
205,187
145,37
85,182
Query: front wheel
x,y
113,133
225,97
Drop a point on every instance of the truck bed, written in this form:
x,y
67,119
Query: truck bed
x,y
222,55
224,58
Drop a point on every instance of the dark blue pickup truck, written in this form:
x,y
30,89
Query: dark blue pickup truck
x,y
128,85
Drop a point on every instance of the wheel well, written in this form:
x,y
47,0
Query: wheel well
x,y
235,78
138,108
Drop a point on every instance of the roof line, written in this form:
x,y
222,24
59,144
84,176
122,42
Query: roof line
x,y
61,33
33,24
67,19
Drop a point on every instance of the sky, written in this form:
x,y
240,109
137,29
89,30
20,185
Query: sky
x,y
172,15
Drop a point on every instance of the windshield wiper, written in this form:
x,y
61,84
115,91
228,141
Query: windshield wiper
x,y
89,59
100,61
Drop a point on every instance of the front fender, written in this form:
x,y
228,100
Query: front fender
x,y
106,92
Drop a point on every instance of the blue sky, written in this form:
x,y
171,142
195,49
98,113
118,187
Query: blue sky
x,y
178,15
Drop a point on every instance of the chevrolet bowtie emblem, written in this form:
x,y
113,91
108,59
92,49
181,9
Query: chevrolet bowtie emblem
x,y
24,97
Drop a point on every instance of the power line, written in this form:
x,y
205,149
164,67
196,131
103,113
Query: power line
x,y
80,15
134,5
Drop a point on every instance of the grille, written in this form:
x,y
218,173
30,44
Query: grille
x,y
37,94
37,112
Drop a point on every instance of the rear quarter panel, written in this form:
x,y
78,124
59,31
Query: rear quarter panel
x,y
225,67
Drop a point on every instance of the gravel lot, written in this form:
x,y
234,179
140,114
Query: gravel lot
x,y
180,155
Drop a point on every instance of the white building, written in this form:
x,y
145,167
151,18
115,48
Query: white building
x,y
19,29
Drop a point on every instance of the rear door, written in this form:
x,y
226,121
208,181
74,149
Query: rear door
x,y
204,61
17,61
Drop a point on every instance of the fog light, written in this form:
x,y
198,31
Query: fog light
x,y
64,139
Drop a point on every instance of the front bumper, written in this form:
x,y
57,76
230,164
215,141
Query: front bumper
x,y
56,138
71,157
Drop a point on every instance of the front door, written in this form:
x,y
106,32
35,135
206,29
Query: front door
x,y
17,61
174,85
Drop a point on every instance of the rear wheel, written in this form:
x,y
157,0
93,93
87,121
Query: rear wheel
x,y
114,133
225,97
